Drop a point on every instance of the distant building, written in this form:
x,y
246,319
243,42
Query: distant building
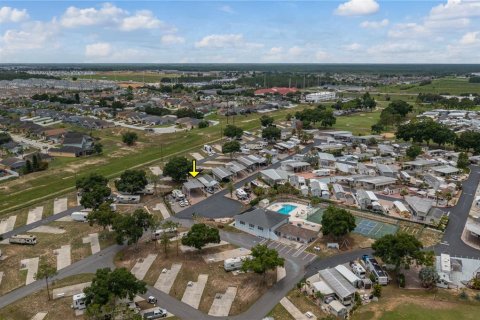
x,y
275,90
320,96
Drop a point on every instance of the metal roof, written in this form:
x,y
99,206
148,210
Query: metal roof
x,y
337,282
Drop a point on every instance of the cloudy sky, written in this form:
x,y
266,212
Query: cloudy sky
x,y
322,31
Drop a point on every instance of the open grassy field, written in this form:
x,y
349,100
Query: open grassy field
x,y
135,76
400,304
359,123
450,85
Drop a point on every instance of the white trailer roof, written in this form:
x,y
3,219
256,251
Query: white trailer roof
x,y
347,274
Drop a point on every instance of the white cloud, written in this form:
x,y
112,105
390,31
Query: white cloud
x,y
295,51
227,9
172,39
456,9
352,46
143,19
375,24
8,14
275,50
357,8
98,50
76,17
34,35
226,41
470,38
321,55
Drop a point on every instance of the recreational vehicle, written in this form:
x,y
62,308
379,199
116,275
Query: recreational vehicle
x,y
373,266
23,239
358,270
241,194
234,263
349,275
79,301
171,232
127,198
79,216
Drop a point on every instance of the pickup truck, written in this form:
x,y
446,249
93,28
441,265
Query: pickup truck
x,y
155,314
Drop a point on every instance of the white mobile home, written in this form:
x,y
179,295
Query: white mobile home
x,y
349,275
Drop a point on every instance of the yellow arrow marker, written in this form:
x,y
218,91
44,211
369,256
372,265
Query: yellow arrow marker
x,y
194,171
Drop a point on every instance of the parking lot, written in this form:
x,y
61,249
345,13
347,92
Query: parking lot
x,y
287,250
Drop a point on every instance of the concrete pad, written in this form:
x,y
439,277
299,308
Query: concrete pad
x,y
163,210
1,276
64,258
35,215
47,229
65,219
217,147
7,225
293,310
166,279
223,302
210,245
193,293
196,156
31,265
281,273
39,316
69,291
141,267
93,240
156,171
60,205
221,256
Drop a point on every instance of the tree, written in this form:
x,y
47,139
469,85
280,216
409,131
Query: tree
x,y
414,151
271,133
98,148
200,235
132,181
165,237
203,124
337,222
232,131
109,286
428,276
377,128
45,271
399,249
129,138
177,168
327,118
266,121
28,167
231,147
230,188
103,215
263,259
131,227
368,101
377,290
93,189
463,162
35,164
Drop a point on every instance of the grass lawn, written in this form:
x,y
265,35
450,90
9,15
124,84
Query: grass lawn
x,y
401,304
135,76
450,85
359,123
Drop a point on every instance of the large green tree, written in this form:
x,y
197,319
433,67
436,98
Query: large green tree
x,y
337,222
266,120
413,152
132,181
103,215
200,235
130,227
463,162
93,189
177,168
263,259
399,249
270,133
232,131
129,138
231,147
109,286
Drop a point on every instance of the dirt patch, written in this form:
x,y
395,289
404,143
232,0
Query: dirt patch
x,y
351,242
75,166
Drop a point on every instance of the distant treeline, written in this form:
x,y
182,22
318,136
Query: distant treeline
x,y
393,69
184,79
180,113
56,98
7,75
475,79
450,103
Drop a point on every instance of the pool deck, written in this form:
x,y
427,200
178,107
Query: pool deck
x,y
298,215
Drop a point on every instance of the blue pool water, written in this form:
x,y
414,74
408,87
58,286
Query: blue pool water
x,y
286,209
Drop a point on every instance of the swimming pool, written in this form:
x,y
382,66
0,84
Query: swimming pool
x,y
286,209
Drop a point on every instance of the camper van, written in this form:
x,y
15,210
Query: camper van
x,y
149,189
79,301
127,198
234,263
208,149
23,239
178,195
358,270
79,216
171,232
241,194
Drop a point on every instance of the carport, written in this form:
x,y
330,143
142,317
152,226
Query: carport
x,y
209,182
235,167
249,164
192,185
222,174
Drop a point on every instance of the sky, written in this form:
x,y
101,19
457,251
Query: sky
x,y
322,31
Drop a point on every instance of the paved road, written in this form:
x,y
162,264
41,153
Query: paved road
x,y
42,222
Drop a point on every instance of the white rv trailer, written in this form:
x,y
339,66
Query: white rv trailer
x,y
79,301
23,239
128,198
79,216
234,263
358,270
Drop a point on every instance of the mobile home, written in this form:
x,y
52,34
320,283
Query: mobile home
x,y
349,275
23,239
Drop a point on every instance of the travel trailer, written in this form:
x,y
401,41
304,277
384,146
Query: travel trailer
x,y
23,239
372,265
79,301
171,232
358,270
79,216
234,263
127,198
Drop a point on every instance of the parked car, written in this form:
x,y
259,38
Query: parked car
x,y
155,314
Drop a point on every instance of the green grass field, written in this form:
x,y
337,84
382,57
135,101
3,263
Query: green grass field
x,y
453,86
416,312
359,123
129,76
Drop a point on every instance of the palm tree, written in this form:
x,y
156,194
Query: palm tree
x,y
230,188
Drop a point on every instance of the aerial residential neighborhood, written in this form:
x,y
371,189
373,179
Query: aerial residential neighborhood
x,y
262,160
